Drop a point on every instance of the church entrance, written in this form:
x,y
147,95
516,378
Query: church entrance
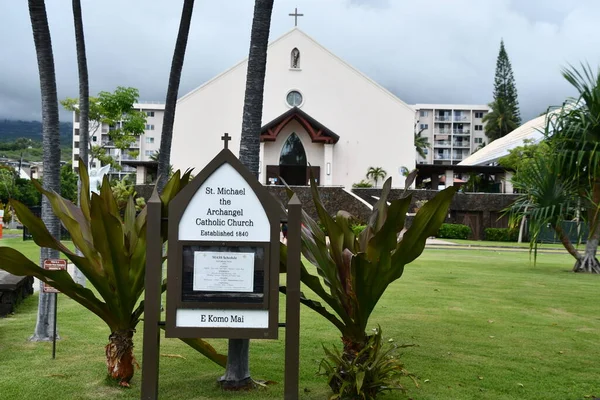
x,y
293,165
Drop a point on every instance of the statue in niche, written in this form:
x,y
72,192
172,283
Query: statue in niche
x,y
295,58
96,176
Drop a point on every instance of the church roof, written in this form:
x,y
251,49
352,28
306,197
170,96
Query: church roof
x,y
316,43
317,131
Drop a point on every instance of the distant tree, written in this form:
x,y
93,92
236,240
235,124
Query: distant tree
x,y
116,110
500,121
68,183
421,144
521,157
376,173
164,161
504,84
51,149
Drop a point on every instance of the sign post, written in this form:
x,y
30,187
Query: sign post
x,y
223,266
52,264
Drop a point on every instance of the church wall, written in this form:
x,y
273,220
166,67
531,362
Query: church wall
x,y
375,128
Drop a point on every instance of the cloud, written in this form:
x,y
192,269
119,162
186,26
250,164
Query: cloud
x,y
435,51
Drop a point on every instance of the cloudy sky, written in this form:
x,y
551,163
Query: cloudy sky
x,y
426,51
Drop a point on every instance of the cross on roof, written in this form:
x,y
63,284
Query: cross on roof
x,y
226,138
296,15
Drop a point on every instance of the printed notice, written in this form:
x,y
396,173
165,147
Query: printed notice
x,y
223,272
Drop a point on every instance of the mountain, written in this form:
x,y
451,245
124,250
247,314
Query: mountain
x,y
14,129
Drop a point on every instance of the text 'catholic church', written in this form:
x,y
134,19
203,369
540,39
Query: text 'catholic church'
x,y
319,114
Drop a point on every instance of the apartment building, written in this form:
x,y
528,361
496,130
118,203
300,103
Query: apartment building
x,y
143,148
454,131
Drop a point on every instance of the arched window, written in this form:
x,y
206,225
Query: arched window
x,y
295,58
293,152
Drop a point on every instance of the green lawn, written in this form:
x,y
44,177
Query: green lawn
x,y
488,325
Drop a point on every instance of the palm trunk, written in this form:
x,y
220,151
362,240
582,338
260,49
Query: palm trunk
x,y
590,263
164,159
51,150
120,361
237,373
564,239
84,107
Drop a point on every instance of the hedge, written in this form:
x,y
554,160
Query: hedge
x,y
454,231
501,234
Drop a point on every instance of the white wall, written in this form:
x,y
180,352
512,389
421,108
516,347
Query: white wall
x,y
375,128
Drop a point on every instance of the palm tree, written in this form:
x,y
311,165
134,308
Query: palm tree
x,y
421,143
164,161
376,173
51,152
574,131
237,373
84,102
500,121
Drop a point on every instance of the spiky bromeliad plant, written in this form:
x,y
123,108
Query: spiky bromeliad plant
x,y
357,269
113,260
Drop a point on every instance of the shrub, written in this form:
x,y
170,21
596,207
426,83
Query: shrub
x,y
454,231
501,234
362,184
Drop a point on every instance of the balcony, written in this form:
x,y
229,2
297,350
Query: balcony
x,y
442,131
108,143
461,131
462,118
443,118
445,156
441,143
465,145
127,157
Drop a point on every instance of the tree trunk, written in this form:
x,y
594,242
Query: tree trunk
x,y
589,262
164,158
237,373
120,361
51,149
237,370
564,239
255,85
84,107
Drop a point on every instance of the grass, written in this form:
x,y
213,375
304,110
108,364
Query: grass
x,y
488,325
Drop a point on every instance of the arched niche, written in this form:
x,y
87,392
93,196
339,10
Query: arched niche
x,y
295,58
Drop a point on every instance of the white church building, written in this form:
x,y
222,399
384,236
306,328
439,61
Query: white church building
x,y
319,112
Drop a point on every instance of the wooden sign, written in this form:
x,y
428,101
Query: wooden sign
x,y
53,264
223,262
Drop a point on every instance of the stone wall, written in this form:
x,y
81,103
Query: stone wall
x,y
478,210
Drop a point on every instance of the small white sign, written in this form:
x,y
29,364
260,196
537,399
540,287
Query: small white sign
x,y
195,318
225,208
218,271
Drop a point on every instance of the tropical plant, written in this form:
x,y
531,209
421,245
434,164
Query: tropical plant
x,y
362,184
164,161
353,271
51,152
562,185
376,173
500,121
421,144
123,190
504,84
546,198
377,369
237,374
113,259
454,231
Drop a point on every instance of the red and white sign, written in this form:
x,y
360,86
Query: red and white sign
x,y
53,264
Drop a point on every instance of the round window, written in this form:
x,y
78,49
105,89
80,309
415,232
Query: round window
x,y
294,98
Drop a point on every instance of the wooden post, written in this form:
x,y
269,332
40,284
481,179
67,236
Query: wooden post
x,y
152,299
292,298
